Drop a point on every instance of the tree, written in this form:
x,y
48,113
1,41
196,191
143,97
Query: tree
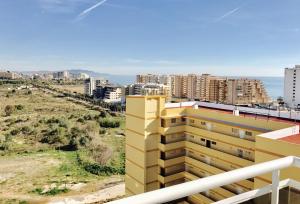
x,y
9,109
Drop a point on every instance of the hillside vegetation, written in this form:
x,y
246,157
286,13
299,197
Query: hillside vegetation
x,y
50,146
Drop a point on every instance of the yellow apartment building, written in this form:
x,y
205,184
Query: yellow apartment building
x,y
168,144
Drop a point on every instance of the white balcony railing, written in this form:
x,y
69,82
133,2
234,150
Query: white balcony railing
x,y
204,184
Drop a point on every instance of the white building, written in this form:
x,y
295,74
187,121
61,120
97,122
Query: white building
x,y
113,95
89,86
292,86
62,75
146,89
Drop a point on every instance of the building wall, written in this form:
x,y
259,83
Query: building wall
x,y
292,86
211,88
174,145
142,139
89,86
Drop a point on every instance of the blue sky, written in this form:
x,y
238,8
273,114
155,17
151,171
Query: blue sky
x,y
221,37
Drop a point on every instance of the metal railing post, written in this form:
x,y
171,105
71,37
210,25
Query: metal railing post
x,y
275,186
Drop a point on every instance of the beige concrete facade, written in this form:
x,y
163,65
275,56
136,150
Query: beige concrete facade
x,y
168,146
211,88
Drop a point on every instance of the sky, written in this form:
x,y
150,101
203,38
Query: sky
x,y
220,37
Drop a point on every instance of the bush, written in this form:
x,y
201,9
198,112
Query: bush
x,y
88,117
101,154
54,136
9,109
52,192
103,114
61,122
19,107
107,123
102,131
78,138
15,131
26,130
56,191
102,170
81,120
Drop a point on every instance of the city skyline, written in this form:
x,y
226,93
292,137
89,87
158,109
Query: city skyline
x,y
132,37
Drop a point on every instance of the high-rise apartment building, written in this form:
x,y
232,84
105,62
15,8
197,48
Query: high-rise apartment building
x,y
62,75
89,86
191,86
169,144
179,86
147,78
214,89
245,91
217,90
204,87
292,87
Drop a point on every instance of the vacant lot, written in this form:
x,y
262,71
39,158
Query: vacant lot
x,y
71,88
51,148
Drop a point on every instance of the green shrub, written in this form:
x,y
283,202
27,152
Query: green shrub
x,y
88,117
103,114
101,170
78,138
26,130
52,192
55,191
19,107
15,131
81,120
54,136
38,191
108,123
60,121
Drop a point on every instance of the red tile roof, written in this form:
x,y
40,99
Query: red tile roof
x,y
295,139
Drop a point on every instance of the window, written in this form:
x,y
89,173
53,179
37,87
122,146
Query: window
x,y
183,119
162,155
248,133
192,121
162,172
240,153
163,139
214,143
203,123
202,139
235,131
173,120
208,143
163,123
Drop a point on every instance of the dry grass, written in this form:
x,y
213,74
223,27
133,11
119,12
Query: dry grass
x,y
72,88
30,164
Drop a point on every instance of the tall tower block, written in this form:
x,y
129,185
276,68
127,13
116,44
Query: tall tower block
x,y
142,139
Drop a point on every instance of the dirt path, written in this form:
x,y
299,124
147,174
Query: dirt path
x,y
99,196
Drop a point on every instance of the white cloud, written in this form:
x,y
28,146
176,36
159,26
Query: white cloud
x,y
227,14
88,10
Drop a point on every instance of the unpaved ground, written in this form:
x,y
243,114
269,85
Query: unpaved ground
x,y
109,193
20,174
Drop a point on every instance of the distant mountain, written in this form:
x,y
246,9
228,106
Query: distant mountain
x,y
114,78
